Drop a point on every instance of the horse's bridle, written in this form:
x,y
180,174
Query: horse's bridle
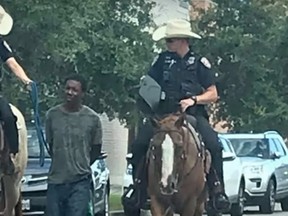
x,y
183,155
181,132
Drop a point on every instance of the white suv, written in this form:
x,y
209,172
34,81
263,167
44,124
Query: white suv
x,y
264,158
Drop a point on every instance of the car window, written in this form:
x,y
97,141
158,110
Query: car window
x,y
279,147
272,147
251,147
33,144
225,145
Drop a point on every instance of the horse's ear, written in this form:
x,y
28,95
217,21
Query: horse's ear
x,y
180,121
155,123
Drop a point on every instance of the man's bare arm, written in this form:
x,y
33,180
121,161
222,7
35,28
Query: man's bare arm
x,y
97,141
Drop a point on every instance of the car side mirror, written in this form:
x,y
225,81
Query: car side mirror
x,y
228,156
275,155
103,155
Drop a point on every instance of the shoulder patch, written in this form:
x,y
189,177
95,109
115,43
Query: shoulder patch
x,y
7,46
205,62
154,60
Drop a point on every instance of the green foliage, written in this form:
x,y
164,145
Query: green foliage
x,y
103,40
247,43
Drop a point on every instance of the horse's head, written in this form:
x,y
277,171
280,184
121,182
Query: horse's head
x,y
168,145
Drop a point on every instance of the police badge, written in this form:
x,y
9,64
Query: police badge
x,y
191,60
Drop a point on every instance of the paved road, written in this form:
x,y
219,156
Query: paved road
x,y
251,211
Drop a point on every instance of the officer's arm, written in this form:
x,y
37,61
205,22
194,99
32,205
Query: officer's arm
x,y
7,57
17,70
156,68
207,79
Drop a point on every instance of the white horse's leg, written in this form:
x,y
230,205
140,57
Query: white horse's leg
x,y
12,193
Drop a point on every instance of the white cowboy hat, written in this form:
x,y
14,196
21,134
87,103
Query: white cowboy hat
x,y
6,22
176,28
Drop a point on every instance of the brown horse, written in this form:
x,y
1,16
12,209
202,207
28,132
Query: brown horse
x,y
177,168
11,201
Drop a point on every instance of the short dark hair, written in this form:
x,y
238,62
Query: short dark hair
x,y
78,78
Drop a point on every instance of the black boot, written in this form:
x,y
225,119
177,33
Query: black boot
x,y
135,196
11,139
7,166
221,201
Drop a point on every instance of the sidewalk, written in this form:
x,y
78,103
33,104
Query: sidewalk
x,y
116,189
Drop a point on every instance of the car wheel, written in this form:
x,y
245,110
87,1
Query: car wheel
x,y
268,205
237,209
105,211
284,204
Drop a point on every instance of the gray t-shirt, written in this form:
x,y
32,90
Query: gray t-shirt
x,y
70,136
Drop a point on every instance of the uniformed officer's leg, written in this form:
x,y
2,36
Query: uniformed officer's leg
x,y
10,131
210,138
140,146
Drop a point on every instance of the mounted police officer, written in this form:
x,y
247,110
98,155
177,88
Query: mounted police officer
x,y
184,78
6,115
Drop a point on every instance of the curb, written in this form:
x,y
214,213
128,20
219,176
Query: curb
x,y
117,213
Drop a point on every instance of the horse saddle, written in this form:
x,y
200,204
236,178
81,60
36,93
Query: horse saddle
x,y
192,125
192,120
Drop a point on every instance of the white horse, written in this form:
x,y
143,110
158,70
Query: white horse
x,y
11,185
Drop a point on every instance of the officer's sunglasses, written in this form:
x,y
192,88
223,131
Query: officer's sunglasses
x,y
171,40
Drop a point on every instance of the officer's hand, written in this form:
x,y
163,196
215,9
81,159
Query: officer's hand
x,y
186,103
28,85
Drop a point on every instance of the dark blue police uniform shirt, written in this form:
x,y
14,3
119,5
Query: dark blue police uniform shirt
x,y
206,76
5,50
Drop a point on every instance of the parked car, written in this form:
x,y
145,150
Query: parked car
x,y
234,180
264,158
34,182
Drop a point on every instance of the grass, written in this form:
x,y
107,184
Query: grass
x,y
115,202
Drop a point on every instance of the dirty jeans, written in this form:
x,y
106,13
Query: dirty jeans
x,y
70,199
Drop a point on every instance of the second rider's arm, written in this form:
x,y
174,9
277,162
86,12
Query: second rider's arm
x,y
7,57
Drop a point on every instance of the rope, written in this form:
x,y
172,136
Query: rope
x,y
38,126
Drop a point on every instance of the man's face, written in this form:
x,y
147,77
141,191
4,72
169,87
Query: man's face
x,y
173,44
73,91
